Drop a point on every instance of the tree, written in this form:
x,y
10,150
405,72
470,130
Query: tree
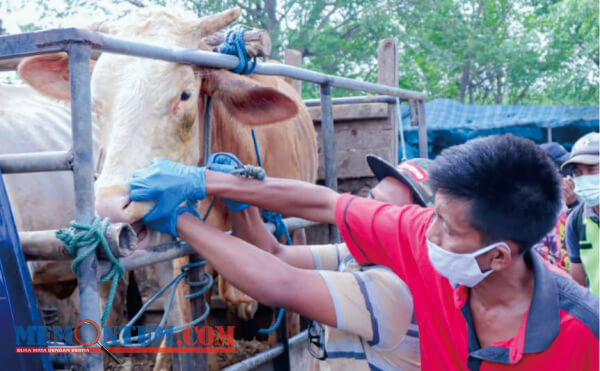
x,y
500,52
476,51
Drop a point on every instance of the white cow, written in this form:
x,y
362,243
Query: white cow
x,y
148,108
30,122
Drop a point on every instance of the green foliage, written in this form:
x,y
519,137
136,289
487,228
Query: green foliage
x,y
480,51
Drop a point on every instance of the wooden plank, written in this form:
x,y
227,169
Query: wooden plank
x,y
354,140
387,60
353,112
257,42
294,58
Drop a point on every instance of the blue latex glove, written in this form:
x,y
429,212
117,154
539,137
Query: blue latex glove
x,y
169,184
227,163
168,224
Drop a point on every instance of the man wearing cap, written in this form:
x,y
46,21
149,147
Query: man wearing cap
x,y
582,224
363,313
559,156
369,301
482,299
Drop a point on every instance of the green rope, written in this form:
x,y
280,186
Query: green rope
x,y
81,235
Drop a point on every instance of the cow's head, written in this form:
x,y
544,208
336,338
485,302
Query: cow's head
x,y
149,108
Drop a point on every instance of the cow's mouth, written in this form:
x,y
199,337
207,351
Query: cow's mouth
x,y
141,232
146,237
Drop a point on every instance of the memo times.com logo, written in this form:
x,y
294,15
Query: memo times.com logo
x,y
123,339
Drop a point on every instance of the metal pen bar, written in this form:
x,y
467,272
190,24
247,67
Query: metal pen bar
x,y
327,132
58,39
217,60
328,135
267,355
83,178
334,81
178,249
355,100
43,245
36,161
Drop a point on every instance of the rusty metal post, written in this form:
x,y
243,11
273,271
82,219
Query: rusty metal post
x,y
83,179
327,131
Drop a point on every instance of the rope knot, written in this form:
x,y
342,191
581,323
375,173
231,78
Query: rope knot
x,y
234,45
81,235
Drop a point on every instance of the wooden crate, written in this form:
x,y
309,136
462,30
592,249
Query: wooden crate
x,y
359,129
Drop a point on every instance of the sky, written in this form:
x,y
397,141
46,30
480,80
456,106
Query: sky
x,y
15,13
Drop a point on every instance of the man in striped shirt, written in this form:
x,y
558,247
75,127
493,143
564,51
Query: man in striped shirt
x,y
362,313
371,304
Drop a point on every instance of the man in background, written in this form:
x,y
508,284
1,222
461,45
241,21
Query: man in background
x,y
582,224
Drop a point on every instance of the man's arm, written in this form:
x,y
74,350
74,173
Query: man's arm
x,y
285,196
258,273
248,225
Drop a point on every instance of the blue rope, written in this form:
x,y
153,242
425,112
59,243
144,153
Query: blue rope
x,y
147,338
234,45
275,325
280,230
92,235
258,160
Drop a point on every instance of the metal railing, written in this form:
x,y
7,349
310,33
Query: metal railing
x,y
79,45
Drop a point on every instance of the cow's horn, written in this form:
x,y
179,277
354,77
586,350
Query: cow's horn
x,y
215,22
102,27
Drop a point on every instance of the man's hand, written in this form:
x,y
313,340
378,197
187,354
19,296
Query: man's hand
x,y
227,163
169,184
168,223
568,187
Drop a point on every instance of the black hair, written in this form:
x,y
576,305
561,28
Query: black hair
x,y
513,187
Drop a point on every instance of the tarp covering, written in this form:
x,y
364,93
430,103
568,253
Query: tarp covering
x,y
450,122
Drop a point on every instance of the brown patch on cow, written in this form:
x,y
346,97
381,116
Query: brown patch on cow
x,y
60,289
250,102
262,106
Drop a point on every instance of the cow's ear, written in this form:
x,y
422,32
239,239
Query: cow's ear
x,y
247,100
48,74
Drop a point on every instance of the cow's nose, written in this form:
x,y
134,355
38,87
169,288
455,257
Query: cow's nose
x,y
115,207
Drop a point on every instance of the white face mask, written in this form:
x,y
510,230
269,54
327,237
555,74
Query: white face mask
x,y
587,188
460,269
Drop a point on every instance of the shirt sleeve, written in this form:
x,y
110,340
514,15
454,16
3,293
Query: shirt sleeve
x,y
384,234
572,238
327,257
374,304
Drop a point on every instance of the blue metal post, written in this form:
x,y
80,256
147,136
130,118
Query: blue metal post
x,y
83,178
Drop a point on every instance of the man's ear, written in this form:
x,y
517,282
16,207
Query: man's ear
x,y
502,257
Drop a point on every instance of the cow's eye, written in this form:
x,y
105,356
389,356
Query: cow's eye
x,y
185,95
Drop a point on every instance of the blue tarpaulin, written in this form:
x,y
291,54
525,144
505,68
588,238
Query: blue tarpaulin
x,y
450,122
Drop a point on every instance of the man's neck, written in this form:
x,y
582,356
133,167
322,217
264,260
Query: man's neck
x,y
500,303
509,286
